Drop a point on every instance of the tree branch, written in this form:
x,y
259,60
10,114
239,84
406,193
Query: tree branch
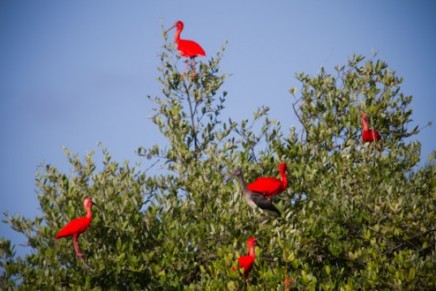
x,y
192,113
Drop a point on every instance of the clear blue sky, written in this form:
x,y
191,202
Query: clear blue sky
x,y
75,73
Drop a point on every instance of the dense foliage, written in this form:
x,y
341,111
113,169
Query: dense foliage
x,y
356,216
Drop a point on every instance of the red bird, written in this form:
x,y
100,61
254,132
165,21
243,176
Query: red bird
x,y
77,226
187,48
246,262
269,186
368,135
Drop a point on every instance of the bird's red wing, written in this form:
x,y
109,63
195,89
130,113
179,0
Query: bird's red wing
x,y
366,136
246,263
266,186
77,225
376,135
370,135
189,48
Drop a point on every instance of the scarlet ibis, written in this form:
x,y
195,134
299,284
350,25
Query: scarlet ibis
x,y
77,226
368,135
269,186
187,48
254,199
246,262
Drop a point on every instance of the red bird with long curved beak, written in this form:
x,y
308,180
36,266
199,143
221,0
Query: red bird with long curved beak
x,y
187,48
247,262
368,135
77,226
270,186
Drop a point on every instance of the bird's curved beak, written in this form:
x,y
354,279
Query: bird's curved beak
x,y
229,177
171,27
226,180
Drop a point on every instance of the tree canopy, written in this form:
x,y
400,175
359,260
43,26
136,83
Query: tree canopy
x,y
355,215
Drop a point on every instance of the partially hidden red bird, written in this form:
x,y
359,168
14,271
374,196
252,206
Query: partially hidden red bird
x,y
269,186
77,226
187,48
247,262
368,135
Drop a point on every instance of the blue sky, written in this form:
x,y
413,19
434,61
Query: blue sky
x,y
75,73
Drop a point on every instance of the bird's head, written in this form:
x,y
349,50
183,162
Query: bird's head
x,y
365,116
251,242
179,24
282,167
235,173
87,203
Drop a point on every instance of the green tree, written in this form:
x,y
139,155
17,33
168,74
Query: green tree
x,y
356,216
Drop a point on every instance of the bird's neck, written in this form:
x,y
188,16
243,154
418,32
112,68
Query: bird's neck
x,y
242,182
364,124
284,179
177,35
251,251
88,213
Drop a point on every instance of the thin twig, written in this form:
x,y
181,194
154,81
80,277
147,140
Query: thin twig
x,y
191,112
408,240
298,116
152,165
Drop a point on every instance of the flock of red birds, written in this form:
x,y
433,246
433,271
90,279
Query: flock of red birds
x,y
257,194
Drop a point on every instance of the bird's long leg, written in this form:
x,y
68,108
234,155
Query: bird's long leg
x,y
78,252
193,66
193,63
76,247
185,69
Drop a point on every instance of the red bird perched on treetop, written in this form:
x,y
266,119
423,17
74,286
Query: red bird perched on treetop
x,y
368,135
77,226
269,186
187,48
246,262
